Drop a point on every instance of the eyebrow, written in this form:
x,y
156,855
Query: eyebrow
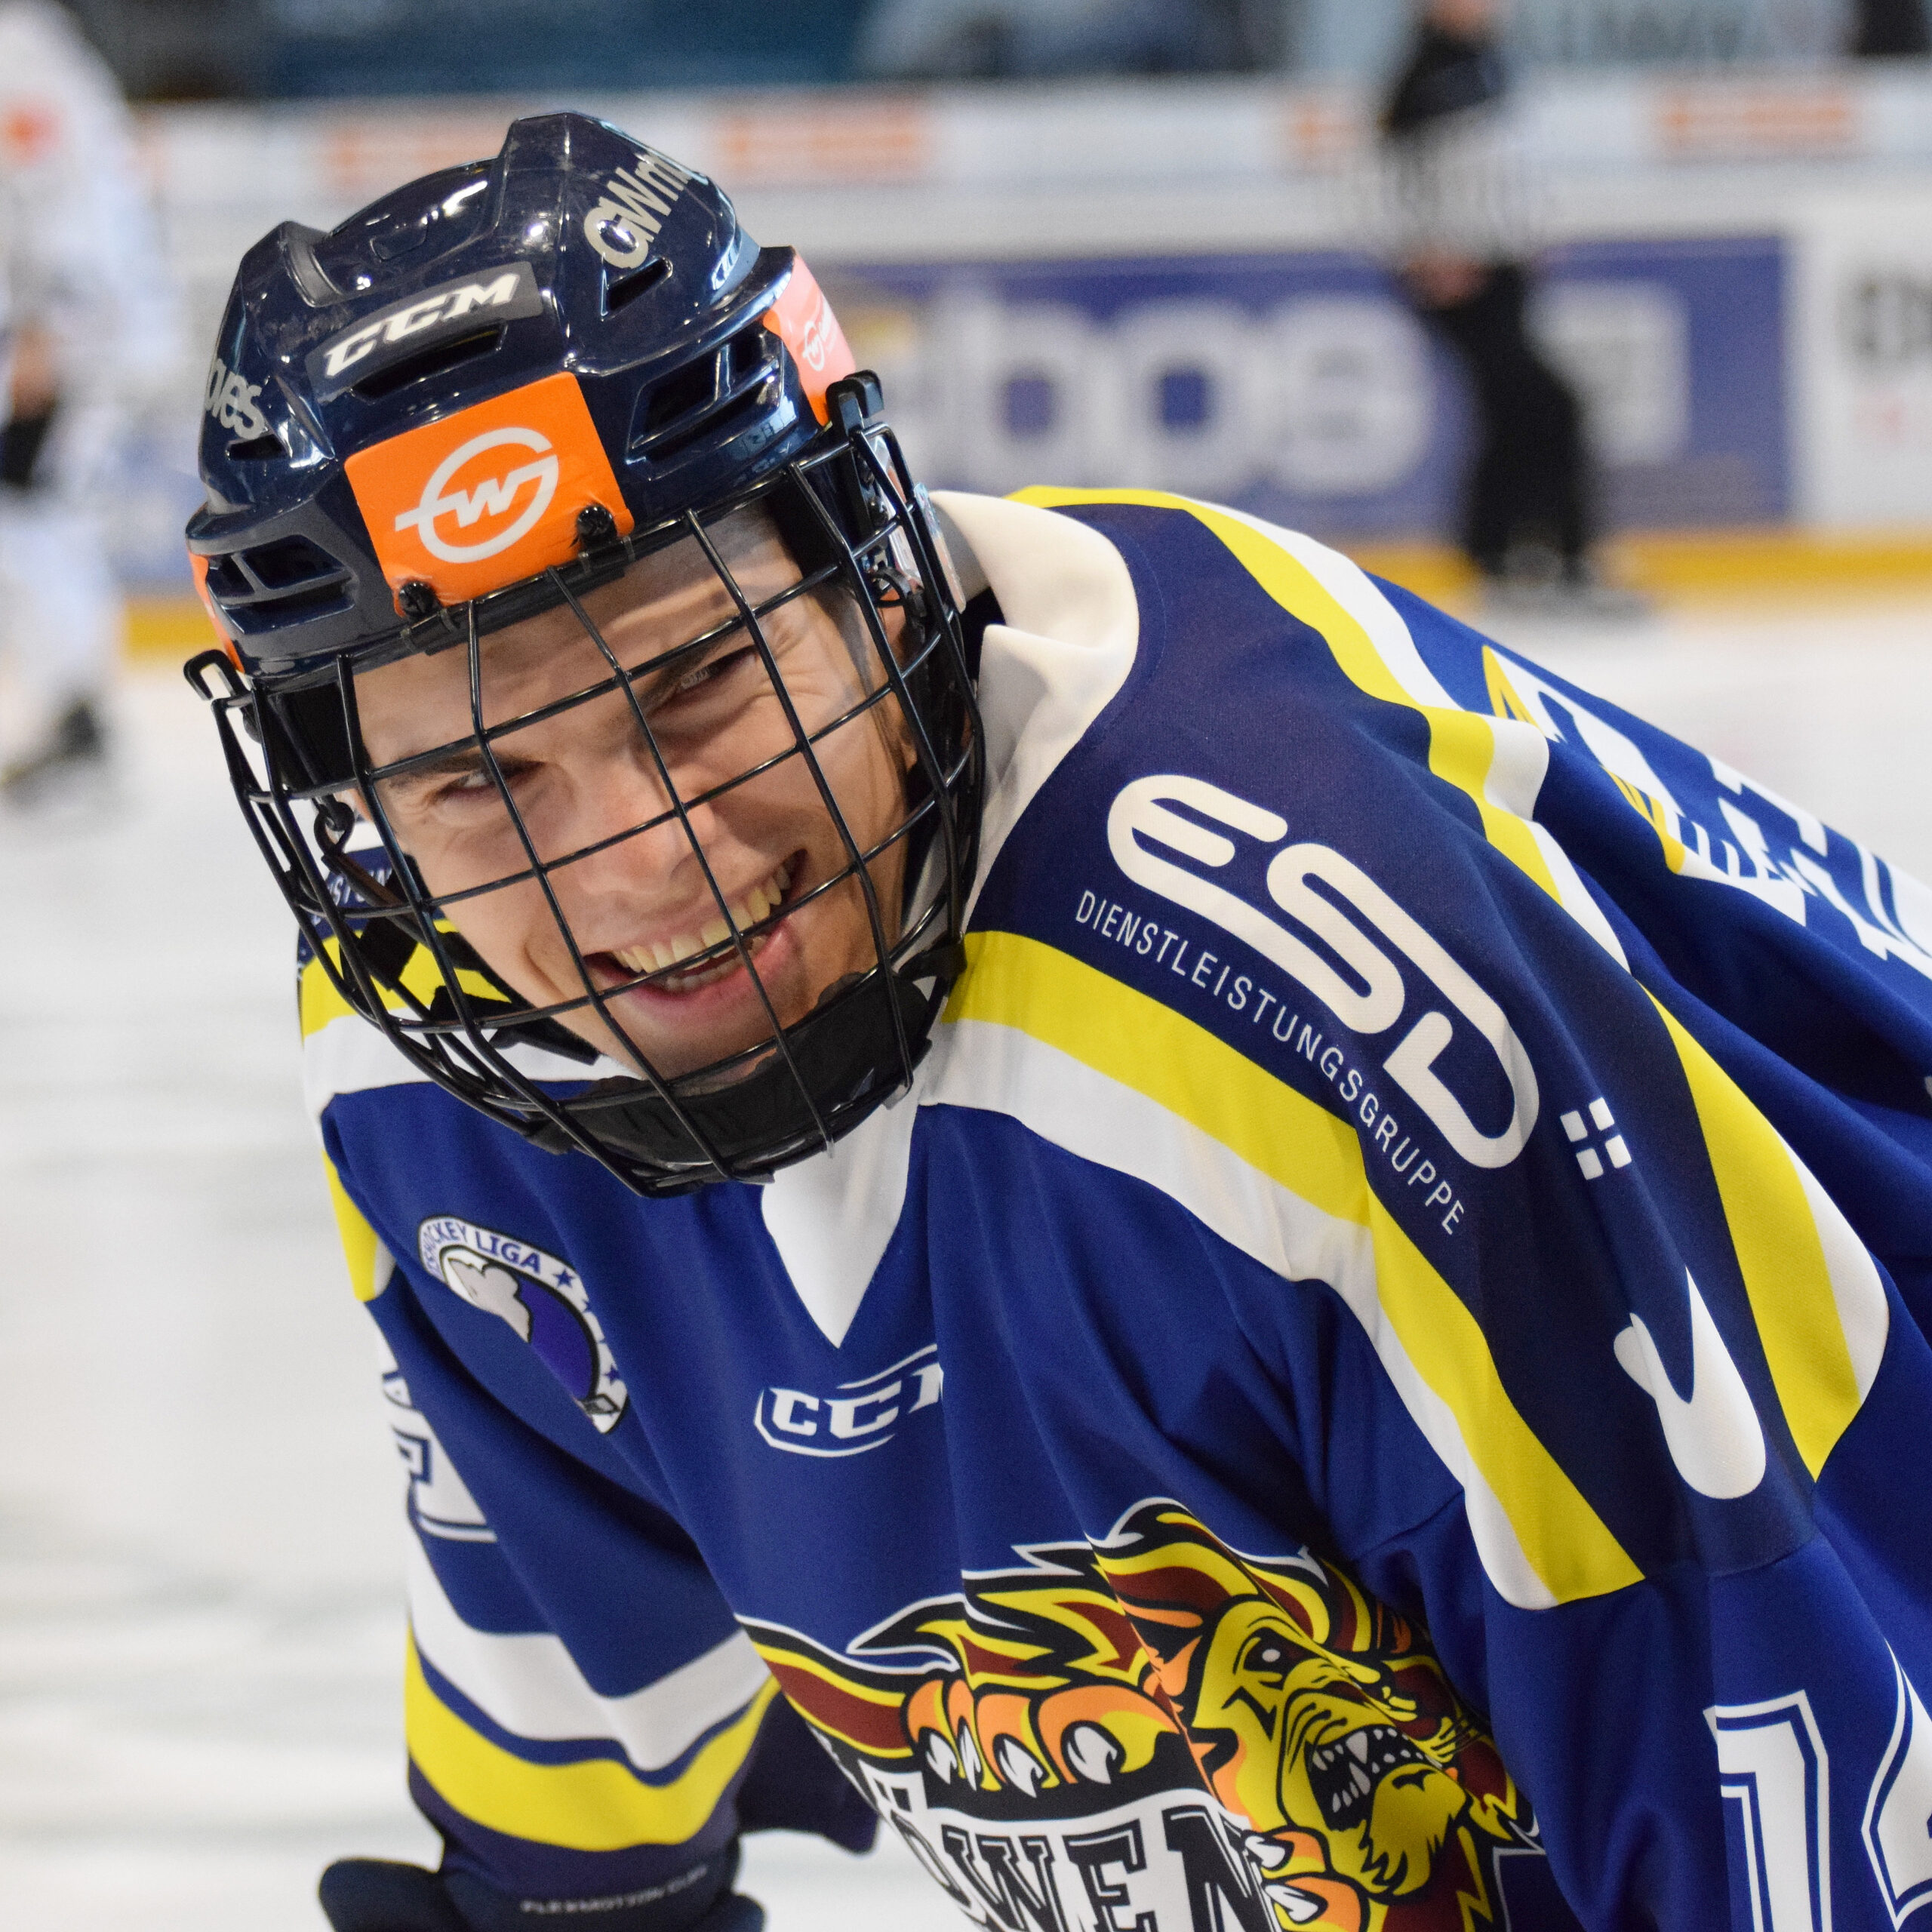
x,y
457,763
649,681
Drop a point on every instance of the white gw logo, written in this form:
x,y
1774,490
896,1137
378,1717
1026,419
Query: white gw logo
x,y
1140,812
860,1416
815,344
493,496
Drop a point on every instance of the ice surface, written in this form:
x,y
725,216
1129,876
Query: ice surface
x,y
200,1612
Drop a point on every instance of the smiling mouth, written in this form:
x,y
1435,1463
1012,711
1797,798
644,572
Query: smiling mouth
x,y
1343,1775
687,962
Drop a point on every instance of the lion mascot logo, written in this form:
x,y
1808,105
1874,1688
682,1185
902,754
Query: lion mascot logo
x,y
1366,1799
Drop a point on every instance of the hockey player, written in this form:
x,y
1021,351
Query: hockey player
x,y
1264,1264
92,325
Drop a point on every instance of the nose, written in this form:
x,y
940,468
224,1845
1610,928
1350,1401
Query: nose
x,y
638,855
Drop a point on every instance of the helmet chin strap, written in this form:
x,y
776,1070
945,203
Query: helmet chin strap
x,y
845,1052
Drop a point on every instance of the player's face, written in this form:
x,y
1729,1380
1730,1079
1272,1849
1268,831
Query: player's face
x,y
629,879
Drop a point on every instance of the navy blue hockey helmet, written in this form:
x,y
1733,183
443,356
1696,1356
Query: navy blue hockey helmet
x,y
563,388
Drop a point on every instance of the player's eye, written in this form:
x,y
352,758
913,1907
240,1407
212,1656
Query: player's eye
x,y
476,783
712,671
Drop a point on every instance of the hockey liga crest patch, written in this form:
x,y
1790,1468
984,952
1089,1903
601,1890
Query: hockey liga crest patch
x,y
542,1298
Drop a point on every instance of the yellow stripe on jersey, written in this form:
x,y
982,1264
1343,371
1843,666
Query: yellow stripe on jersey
x,y
369,1266
833,1693
1779,1253
595,1804
1662,819
1127,1037
421,977
1463,746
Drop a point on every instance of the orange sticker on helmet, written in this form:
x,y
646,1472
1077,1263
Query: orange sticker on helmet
x,y
802,319
489,496
198,566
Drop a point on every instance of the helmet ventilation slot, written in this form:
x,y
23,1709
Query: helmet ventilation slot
x,y
431,362
274,583
621,290
703,399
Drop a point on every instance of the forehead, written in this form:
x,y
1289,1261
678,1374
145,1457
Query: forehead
x,y
663,601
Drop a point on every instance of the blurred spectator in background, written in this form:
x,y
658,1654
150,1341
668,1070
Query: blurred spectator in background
x,y
1458,202
1881,28
954,40
90,321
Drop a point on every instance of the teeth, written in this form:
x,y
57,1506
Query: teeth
x,y
662,956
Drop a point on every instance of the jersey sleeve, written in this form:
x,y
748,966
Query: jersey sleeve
x,y
1671,1363
585,1720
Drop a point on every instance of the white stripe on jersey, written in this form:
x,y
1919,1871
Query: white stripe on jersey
x,y
528,1684
1067,1103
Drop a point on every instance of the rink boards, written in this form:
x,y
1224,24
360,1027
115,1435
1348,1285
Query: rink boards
x,y
1169,286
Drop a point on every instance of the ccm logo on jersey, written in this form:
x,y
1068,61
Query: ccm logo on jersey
x,y
1369,999
411,325
859,1416
489,495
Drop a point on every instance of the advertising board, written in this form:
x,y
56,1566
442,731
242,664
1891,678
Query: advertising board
x,y
1863,324
1299,386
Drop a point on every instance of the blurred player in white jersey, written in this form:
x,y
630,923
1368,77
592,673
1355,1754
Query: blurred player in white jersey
x,y
91,323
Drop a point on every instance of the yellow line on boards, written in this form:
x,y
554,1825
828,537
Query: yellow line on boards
x,y
1666,563
165,625
1689,564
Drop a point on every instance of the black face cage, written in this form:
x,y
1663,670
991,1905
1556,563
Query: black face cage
x,y
851,519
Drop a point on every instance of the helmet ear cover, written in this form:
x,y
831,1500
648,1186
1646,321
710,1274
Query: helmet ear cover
x,y
394,955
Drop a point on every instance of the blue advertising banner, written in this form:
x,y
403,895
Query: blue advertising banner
x,y
1301,387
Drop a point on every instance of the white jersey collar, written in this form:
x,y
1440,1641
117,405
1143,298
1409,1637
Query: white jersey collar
x,y
1071,626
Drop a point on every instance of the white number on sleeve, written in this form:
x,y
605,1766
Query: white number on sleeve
x,y
1772,1766
1898,1813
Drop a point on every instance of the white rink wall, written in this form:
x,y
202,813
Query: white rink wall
x,y
1175,284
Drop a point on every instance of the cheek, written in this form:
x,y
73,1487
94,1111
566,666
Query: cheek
x,y
514,932
865,764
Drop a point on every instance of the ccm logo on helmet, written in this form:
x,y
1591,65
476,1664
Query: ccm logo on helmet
x,y
493,496
406,327
1356,921
489,496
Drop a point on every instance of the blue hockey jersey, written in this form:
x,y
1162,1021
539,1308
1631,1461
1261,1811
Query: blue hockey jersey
x,y
1377,1381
